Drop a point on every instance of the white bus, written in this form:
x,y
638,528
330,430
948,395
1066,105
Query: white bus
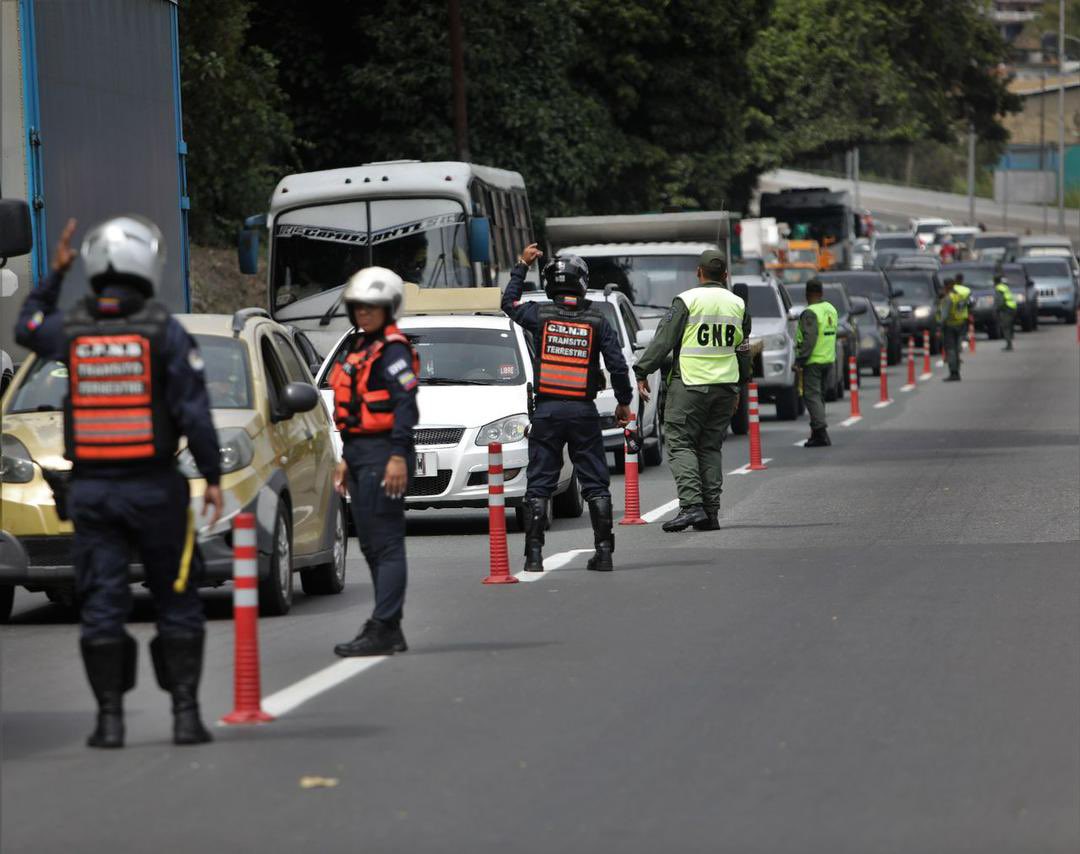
x,y
438,225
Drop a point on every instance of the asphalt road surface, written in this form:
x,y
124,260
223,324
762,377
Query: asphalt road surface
x,y
878,652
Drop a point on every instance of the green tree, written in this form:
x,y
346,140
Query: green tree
x,y
239,136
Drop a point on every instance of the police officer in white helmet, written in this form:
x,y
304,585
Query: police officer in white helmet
x,y
123,419
374,380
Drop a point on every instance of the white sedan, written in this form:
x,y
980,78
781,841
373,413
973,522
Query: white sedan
x,y
475,371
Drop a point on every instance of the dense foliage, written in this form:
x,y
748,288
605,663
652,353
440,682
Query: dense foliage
x,y
604,107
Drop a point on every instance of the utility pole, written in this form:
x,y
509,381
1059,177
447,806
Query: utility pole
x,y
1042,154
855,169
457,66
971,174
1061,116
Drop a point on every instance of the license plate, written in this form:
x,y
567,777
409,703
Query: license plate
x,y
427,464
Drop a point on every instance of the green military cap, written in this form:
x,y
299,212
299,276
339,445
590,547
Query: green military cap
x,y
713,262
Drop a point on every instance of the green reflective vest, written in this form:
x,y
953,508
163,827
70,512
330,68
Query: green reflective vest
x,y
958,305
824,352
1006,295
713,331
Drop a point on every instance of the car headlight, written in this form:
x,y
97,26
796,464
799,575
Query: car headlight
x,y
922,311
775,342
16,465
882,311
504,431
235,448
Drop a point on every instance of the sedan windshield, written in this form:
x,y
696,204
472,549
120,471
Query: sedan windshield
x,y
764,302
461,356
916,286
316,249
226,372
864,284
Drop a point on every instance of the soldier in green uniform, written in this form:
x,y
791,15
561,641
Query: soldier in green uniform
x,y
953,317
708,330
1005,303
816,340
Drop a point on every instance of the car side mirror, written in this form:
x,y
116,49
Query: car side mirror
x,y
299,397
479,240
16,233
644,338
793,313
897,292
857,309
247,244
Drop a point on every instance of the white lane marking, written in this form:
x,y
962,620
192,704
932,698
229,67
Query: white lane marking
x,y
881,404
287,699
662,510
940,363
854,419
746,468
556,561
925,376
908,387
801,443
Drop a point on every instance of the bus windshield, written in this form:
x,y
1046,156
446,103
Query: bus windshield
x,y
316,249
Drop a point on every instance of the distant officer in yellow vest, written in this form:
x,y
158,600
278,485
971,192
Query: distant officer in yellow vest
x,y
1005,303
953,316
816,355
708,330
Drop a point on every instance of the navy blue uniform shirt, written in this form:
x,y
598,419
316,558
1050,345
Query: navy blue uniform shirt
x,y
40,328
526,315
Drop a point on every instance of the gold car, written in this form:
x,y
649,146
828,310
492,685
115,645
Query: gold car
x,y
277,462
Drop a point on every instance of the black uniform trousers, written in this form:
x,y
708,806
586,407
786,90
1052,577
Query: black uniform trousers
x,y
116,519
379,521
574,425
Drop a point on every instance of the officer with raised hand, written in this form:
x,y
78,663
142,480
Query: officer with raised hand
x,y
708,330
816,357
1005,303
375,382
953,310
570,337
136,386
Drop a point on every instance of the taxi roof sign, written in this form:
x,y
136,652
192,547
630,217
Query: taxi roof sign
x,y
451,300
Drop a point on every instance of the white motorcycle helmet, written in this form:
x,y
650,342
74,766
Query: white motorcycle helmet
x,y
376,286
125,246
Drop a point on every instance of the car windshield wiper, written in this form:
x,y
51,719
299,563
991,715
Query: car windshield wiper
x,y
448,381
330,312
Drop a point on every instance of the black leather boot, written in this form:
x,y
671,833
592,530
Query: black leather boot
x,y
688,516
535,522
603,535
377,637
178,667
819,438
711,523
110,667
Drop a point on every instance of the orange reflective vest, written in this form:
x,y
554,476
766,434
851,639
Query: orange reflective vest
x,y
568,358
359,408
115,412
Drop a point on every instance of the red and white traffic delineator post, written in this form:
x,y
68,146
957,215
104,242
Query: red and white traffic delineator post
x,y
910,365
883,370
500,558
853,379
756,463
926,367
247,692
632,502
971,334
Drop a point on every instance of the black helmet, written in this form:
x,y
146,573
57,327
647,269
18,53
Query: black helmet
x,y
567,275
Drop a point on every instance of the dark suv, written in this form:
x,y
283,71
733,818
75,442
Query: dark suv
x,y
979,276
918,304
874,284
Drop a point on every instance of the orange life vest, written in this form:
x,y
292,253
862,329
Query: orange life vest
x,y
361,407
568,358
115,412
